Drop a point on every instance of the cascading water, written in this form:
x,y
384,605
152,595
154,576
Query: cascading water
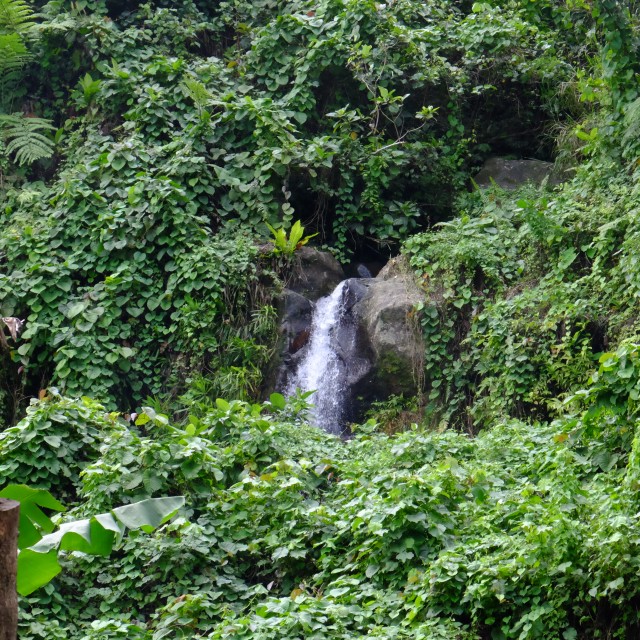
x,y
349,349
322,369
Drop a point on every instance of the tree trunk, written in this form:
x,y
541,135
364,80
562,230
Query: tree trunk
x,y
9,512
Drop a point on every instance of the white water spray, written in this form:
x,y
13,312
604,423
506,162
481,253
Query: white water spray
x,y
322,369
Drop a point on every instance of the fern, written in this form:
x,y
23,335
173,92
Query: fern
x,y
25,138
16,22
631,131
13,51
197,92
13,57
58,24
15,17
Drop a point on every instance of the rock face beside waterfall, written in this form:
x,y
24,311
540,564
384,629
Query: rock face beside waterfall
x,y
315,274
296,312
385,316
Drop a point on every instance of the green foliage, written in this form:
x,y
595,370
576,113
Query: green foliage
x,y
185,130
99,319
631,128
39,545
16,23
619,54
21,137
519,531
135,258
33,521
288,244
53,443
38,564
393,414
521,289
615,385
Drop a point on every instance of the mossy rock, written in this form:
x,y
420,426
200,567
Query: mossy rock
x,y
387,320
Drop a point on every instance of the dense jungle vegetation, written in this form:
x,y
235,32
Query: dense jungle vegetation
x,y
146,148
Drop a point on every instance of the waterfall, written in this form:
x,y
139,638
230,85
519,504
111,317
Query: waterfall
x,y
322,369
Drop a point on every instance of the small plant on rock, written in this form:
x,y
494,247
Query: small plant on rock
x,y
295,240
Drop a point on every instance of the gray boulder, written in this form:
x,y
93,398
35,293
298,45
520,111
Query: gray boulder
x,y
385,314
511,174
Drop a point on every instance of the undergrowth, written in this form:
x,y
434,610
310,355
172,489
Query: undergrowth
x,y
525,531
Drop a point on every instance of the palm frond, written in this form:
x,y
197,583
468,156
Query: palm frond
x,y
25,138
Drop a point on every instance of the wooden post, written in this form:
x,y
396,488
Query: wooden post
x,y
9,512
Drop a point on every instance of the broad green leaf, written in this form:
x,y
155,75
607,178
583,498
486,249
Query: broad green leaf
x,y
222,404
87,536
75,309
118,163
566,258
33,521
38,564
35,570
278,400
149,513
295,235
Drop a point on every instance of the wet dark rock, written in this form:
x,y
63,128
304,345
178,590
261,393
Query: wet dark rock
x,y
356,289
295,317
300,341
353,349
315,273
363,271
295,313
